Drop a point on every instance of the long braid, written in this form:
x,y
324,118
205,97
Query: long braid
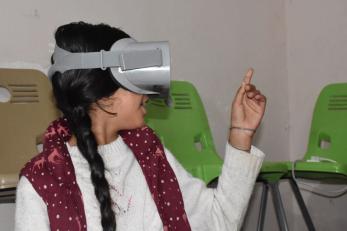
x,y
81,127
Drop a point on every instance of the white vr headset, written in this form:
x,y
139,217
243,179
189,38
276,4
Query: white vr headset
x,y
141,67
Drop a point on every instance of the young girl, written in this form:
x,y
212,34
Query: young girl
x,y
102,169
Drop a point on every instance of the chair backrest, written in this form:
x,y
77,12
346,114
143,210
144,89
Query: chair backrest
x,y
184,130
23,119
328,135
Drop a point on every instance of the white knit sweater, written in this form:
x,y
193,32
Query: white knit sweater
x,y
220,209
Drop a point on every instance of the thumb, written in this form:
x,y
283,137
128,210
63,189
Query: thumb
x,y
240,93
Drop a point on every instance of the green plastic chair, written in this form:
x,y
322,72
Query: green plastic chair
x,y
183,128
327,140
327,136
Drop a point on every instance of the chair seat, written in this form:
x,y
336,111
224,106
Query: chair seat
x,y
272,171
318,170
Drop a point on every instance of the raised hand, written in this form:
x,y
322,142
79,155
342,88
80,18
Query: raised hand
x,y
247,111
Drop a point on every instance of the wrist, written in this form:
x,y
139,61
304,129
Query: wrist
x,y
241,139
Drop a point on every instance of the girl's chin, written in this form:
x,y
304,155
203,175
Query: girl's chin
x,y
140,124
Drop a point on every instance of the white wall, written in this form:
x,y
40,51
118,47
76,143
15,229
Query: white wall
x,y
212,45
295,47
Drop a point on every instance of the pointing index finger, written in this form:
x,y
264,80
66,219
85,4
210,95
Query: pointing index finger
x,y
248,77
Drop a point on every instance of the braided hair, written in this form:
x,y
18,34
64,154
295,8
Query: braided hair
x,y
76,90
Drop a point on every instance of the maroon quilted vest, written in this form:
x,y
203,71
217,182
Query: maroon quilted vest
x,y
52,175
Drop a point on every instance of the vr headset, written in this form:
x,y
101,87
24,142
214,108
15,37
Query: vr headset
x,y
140,67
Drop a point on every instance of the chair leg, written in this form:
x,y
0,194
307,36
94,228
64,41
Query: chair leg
x,y
302,205
263,203
281,216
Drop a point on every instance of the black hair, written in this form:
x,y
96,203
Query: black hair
x,y
76,90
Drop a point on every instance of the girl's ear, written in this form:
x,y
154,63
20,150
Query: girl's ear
x,y
109,101
114,101
110,105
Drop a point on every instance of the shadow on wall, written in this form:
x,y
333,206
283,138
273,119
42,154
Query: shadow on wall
x,y
270,222
318,207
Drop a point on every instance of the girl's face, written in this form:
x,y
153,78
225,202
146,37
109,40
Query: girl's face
x,y
130,109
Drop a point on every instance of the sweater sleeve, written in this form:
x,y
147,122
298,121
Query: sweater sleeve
x,y
223,208
31,211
